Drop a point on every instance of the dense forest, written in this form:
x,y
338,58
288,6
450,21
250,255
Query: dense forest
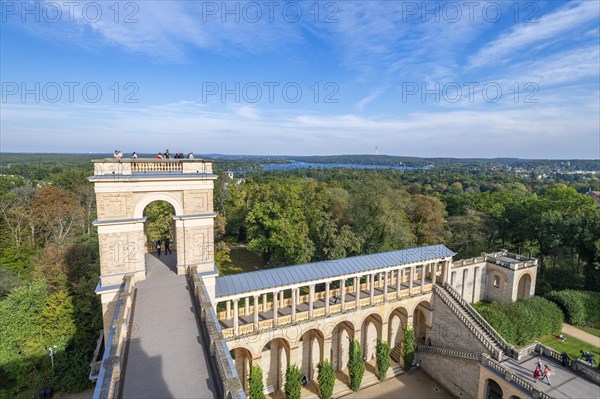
x,y
49,252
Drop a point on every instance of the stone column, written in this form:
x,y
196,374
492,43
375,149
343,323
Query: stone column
x,y
281,299
357,291
423,274
264,303
399,273
236,322
275,308
327,298
228,310
411,277
385,286
445,271
372,287
343,293
256,312
294,297
246,305
311,300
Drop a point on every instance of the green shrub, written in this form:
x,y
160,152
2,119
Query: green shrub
x,y
326,379
580,307
408,347
293,382
256,388
356,366
383,359
521,322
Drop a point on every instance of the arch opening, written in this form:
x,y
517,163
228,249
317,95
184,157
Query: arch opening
x,y
493,390
312,353
341,336
420,322
370,333
524,286
242,359
275,361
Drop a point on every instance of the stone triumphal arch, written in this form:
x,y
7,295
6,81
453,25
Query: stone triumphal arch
x,y
124,188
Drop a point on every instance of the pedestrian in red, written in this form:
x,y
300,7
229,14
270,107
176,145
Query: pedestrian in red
x,y
537,373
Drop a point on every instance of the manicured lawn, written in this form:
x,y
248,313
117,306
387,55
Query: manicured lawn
x,y
242,261
570,345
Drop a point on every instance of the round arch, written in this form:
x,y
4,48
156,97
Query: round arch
x,y
397,320
242,359
492,390
420,321
143,202
312,352
341,336
275,362
371,331
524,286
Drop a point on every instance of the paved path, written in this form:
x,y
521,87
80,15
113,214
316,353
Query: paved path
x,y
565,383
581,335
414,384
166,358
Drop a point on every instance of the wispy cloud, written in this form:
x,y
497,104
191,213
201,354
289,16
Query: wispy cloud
x,y
370,98
527,35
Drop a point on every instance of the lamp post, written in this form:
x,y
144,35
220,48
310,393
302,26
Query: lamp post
x,y
51,352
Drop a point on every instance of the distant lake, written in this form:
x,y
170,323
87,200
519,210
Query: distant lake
x,y
307,165
310,165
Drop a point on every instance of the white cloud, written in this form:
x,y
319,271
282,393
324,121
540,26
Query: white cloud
x,y
524,36
538,131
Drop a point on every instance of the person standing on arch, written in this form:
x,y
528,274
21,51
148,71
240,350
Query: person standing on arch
x,y
158,247
167,243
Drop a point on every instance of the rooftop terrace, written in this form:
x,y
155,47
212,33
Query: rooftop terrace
x,y
140,166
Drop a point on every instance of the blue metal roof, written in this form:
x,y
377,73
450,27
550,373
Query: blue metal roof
x,y
285,275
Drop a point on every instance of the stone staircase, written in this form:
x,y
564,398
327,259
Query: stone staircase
x,y
341,388
396,353
486,334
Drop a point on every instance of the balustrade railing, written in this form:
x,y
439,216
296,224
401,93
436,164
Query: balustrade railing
x,y
109,376
449,352
232,386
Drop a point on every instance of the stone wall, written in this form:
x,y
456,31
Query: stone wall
x,y
449,332
459,376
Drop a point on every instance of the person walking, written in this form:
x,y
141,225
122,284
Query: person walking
x,y
546,374
167,244
158,247
429,341
537,373
335,298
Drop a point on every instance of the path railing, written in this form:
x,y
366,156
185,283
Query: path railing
x,y
109,376
232,386
449,352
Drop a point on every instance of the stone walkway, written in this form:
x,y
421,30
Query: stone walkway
x,y
166,358
565,383
581,335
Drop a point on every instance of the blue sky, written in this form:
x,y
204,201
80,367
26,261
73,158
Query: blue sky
x,y
445,79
